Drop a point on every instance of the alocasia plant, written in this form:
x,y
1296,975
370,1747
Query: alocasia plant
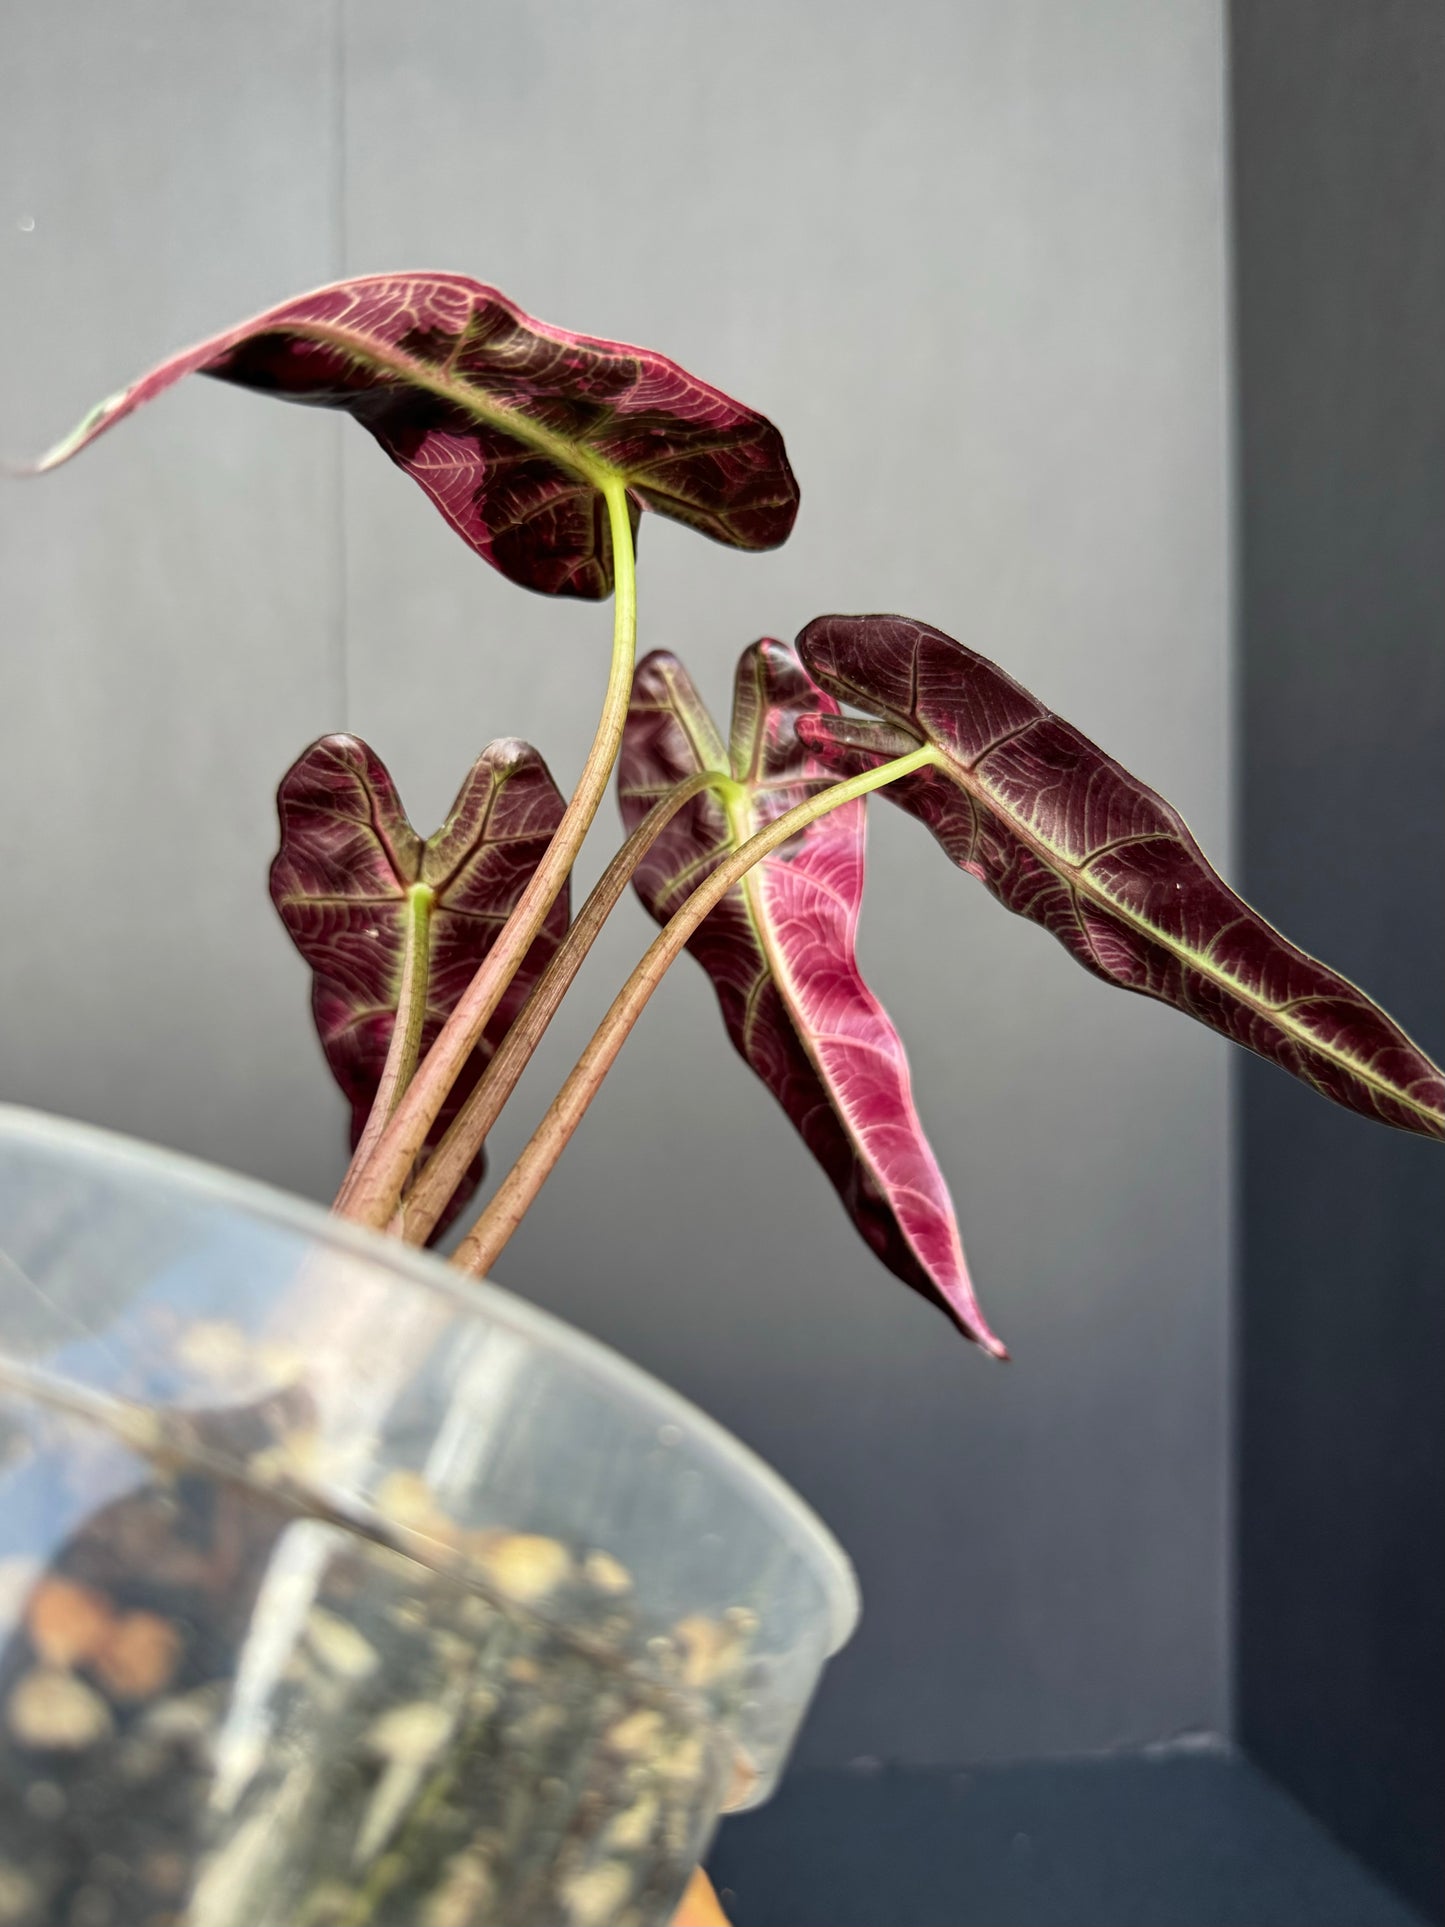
x,y
541,448
438,964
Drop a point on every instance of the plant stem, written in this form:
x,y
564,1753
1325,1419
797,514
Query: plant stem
x,y
378,1187
405,1045
489,1235
443,1170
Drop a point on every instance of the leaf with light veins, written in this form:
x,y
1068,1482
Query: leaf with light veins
x,y
509,424
1063,835
340,879
779,949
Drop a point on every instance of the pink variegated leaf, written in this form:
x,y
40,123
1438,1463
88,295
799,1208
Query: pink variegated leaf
x,y
509,424
340,879
1063,835
779,949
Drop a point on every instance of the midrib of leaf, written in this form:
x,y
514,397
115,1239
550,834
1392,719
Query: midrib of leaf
x,y
472,401
1076,879
776,963
741,826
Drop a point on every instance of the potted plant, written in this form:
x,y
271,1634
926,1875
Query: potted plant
x,y
437,964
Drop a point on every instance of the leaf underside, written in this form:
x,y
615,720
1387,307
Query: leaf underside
x,y
340,879
1063,835
452,378
779,949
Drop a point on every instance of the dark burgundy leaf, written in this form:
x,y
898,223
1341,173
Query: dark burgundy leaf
x,y
1060,833
780,951
507,423
348,856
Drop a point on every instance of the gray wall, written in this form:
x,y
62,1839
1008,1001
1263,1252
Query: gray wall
x,y
971,257
1339,184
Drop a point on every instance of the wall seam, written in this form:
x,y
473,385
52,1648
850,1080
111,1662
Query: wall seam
x,y
341,632
1234,838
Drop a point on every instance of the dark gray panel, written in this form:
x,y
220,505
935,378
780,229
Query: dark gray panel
x,y
971,258
1340,185
1183,1840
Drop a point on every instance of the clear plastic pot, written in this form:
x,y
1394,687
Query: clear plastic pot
x,y
336,1592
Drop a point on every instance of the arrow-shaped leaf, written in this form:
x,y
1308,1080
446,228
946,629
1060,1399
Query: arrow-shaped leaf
x,y
507,423
349,856
780,952
1060,833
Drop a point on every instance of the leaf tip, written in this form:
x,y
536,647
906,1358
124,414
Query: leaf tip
x,y
84,431
966,1313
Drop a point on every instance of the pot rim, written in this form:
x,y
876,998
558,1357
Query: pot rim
x,y
197,1180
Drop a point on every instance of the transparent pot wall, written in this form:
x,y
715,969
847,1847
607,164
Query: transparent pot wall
x,y
334,1591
